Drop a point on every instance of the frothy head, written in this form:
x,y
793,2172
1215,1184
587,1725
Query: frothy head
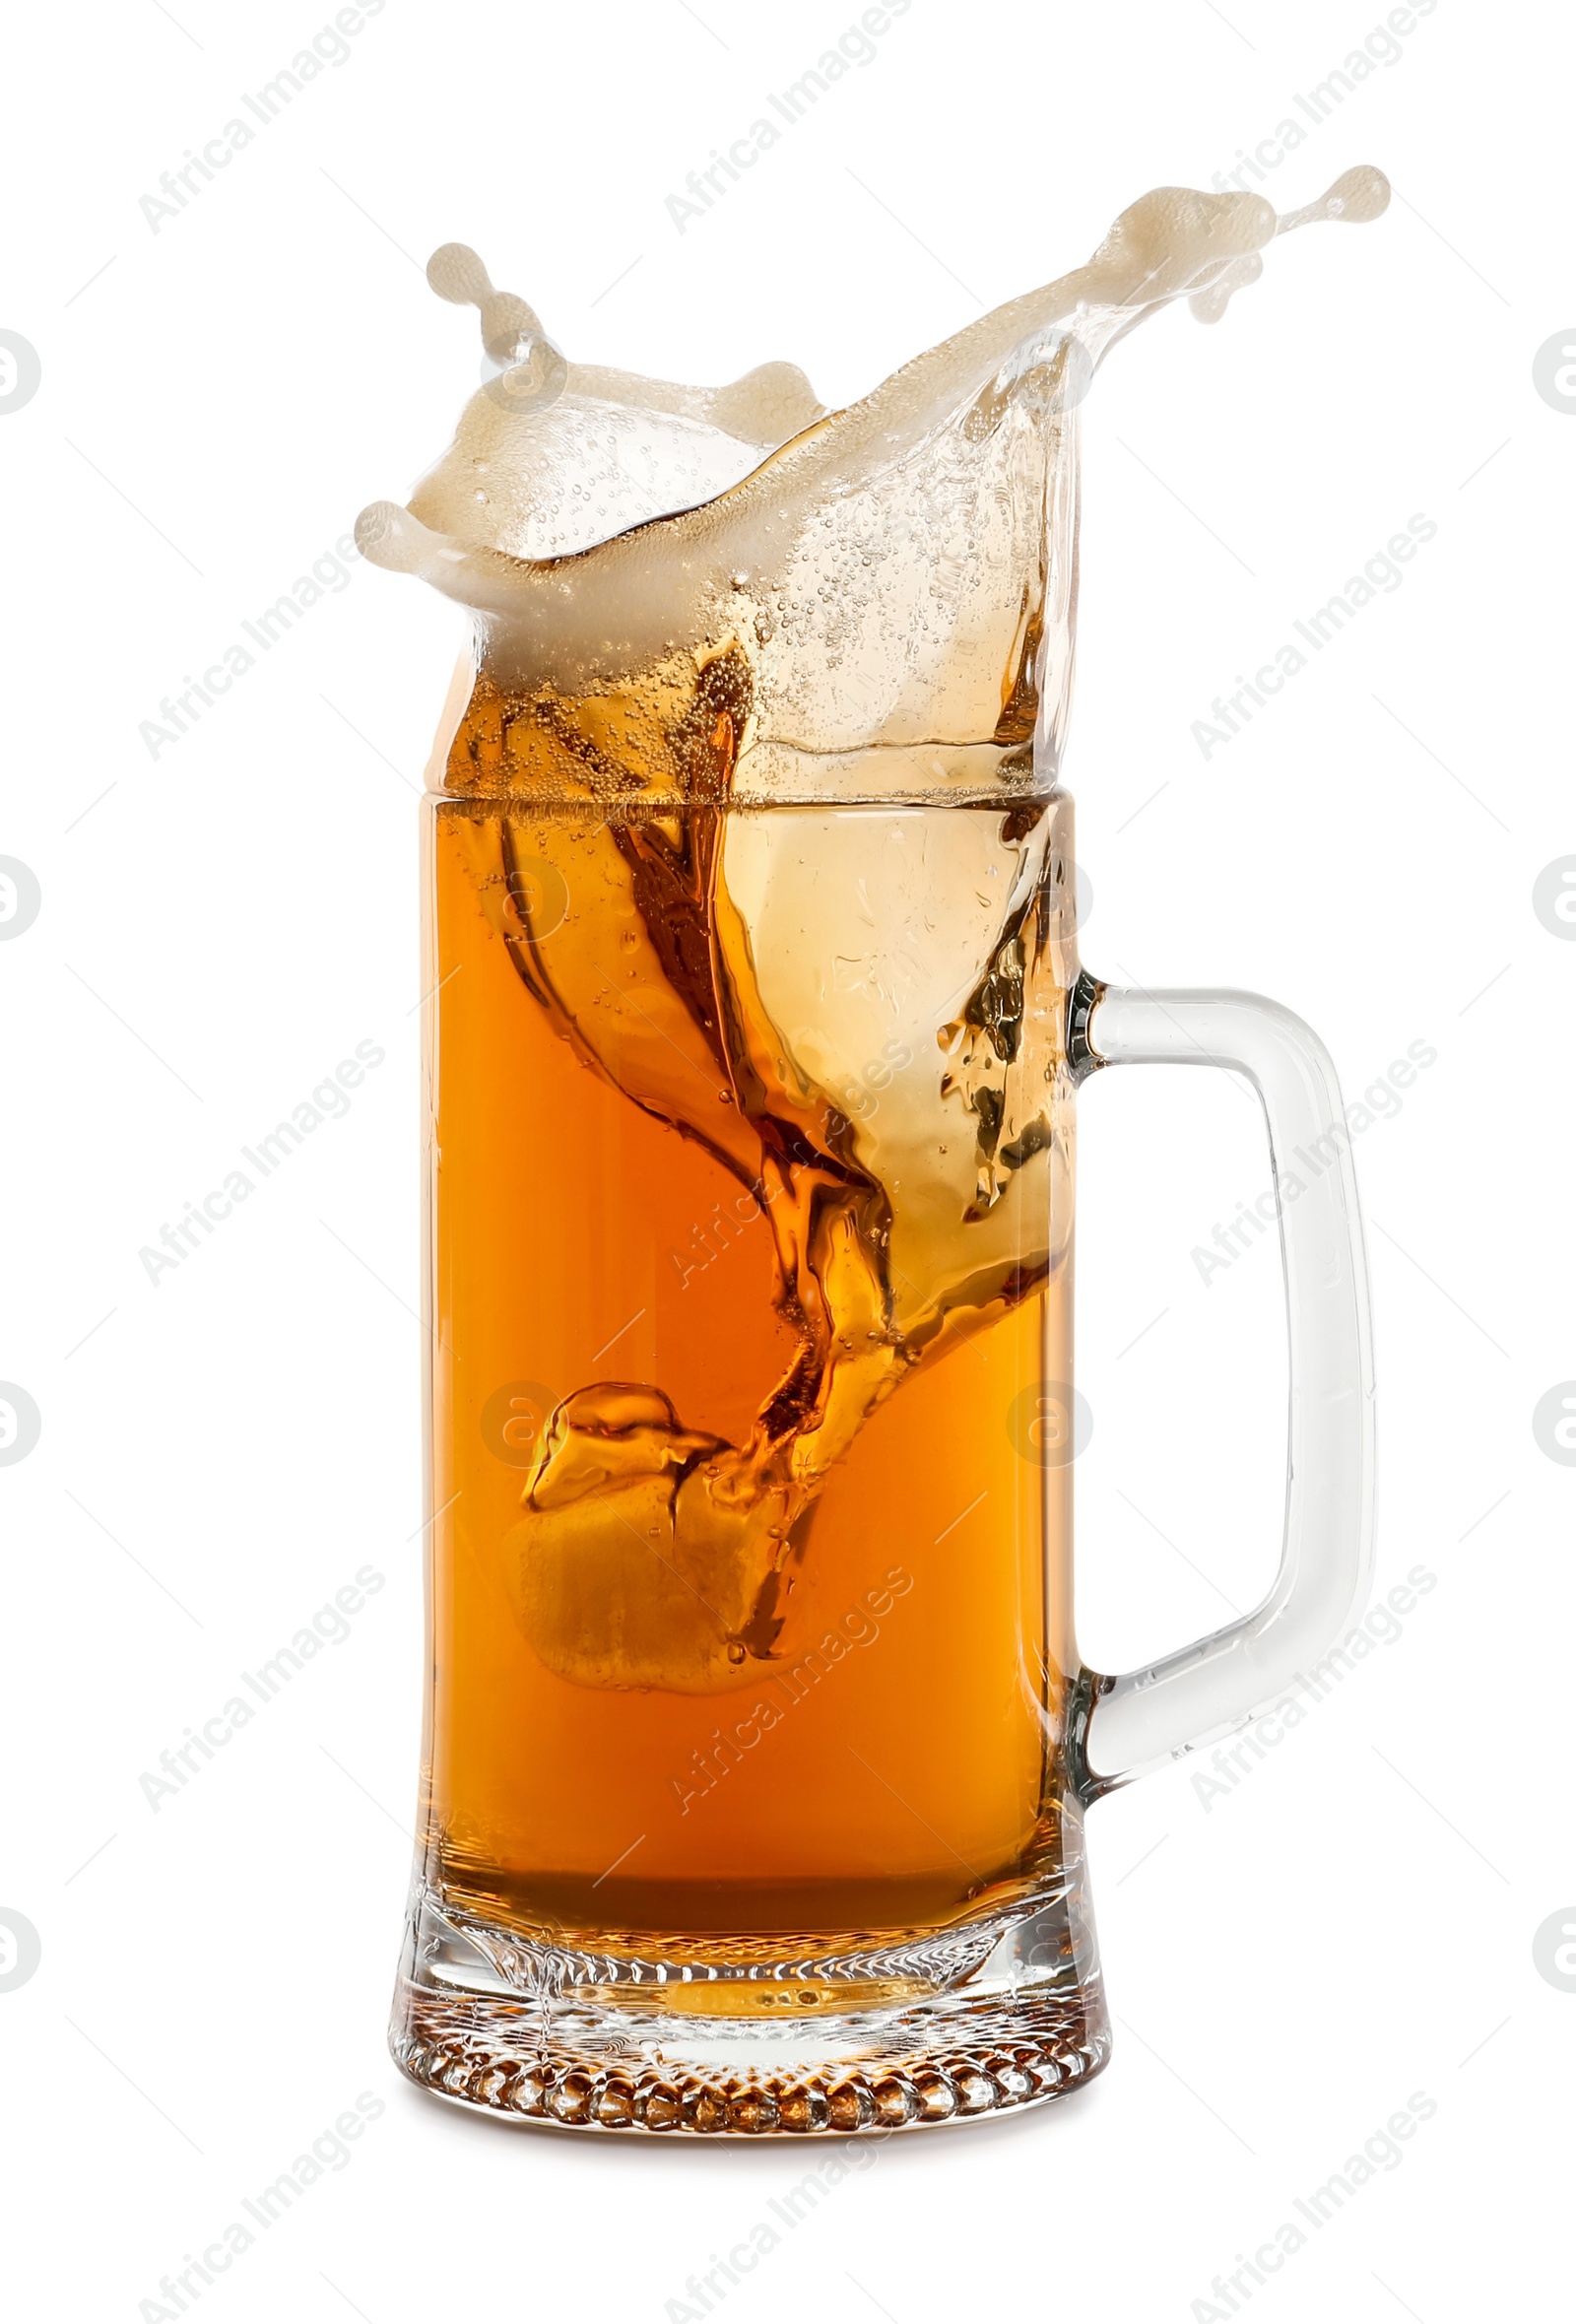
x,y
551,457
884,584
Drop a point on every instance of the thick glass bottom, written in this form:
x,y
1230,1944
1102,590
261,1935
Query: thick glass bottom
x,y
940,2026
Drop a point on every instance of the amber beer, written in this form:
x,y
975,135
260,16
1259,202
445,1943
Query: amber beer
x,y
749,1562
758,1745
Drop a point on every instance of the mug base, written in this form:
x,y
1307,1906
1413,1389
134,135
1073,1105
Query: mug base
x,y
932,2065
702,2058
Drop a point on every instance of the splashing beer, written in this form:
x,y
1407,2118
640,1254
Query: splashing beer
x,y
751,946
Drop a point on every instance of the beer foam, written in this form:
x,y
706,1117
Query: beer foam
x,y
553,457
894,581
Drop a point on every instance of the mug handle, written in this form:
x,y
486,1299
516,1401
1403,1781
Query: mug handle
x,y
1144,1717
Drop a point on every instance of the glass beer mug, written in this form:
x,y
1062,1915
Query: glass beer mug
x,y
759,1742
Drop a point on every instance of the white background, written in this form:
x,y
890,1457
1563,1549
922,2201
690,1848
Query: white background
x,y
1351,1924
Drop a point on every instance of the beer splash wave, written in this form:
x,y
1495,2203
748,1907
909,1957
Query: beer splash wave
x,y
704,757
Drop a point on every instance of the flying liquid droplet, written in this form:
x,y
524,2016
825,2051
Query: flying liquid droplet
x,y
1357,197
456,274
387,535
509,325
1209,304
535,377
525,372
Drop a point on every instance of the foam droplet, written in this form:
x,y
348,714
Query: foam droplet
x,y
507,322
1357,197
387,535
456,274
1211,303
536,379
374,527
1364,194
